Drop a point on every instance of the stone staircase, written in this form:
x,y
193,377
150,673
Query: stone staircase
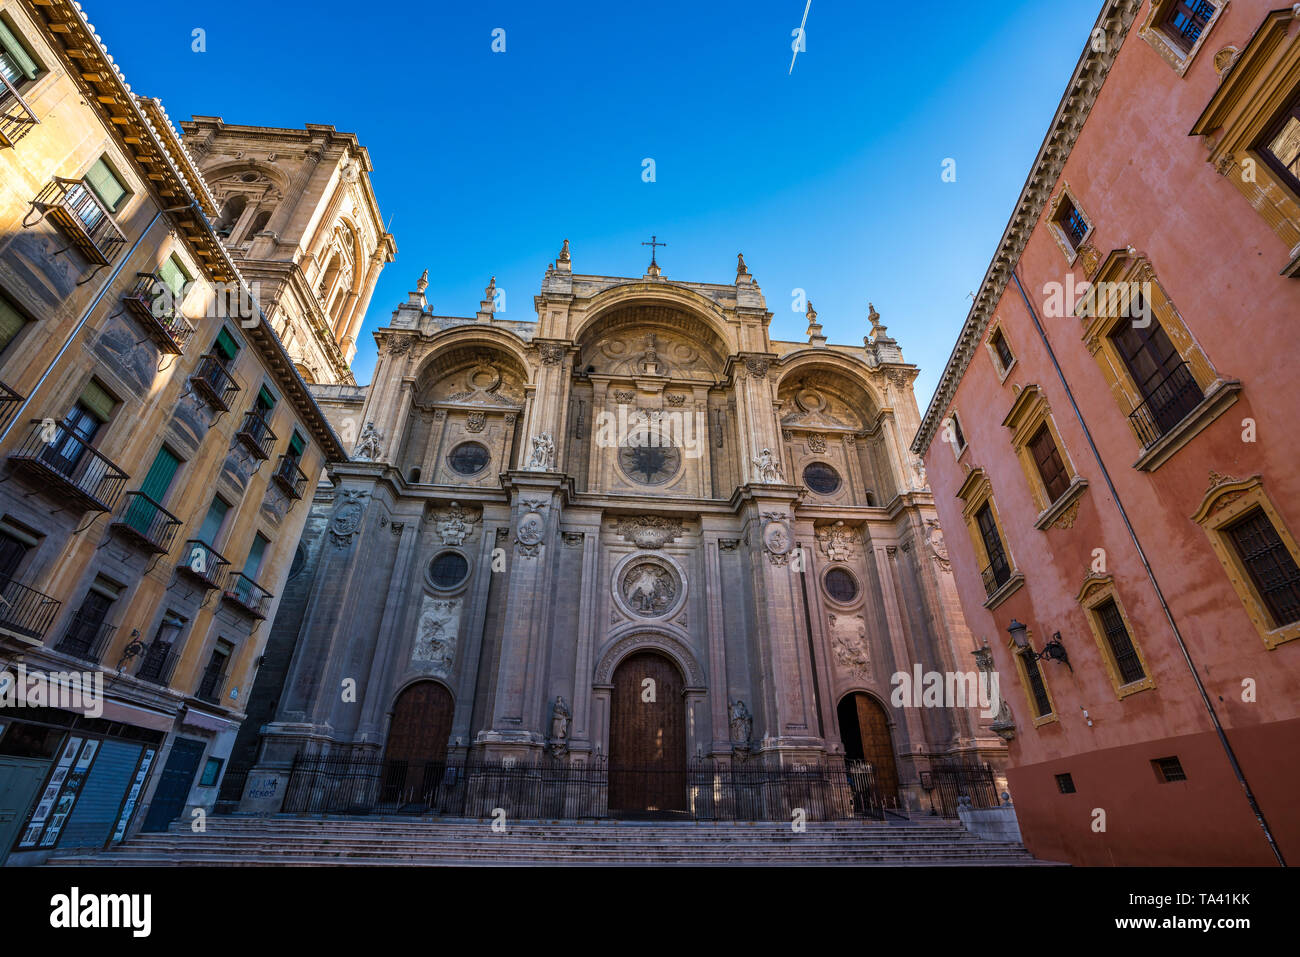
x,y
315,841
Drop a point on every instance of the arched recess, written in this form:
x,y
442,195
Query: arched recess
x,y
636,293
421,722
867,735
468,394
634,638
830,413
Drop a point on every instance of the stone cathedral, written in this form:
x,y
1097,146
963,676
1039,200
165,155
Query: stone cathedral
x,y
541,516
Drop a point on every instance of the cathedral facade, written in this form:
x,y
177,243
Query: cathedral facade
x,y
638,489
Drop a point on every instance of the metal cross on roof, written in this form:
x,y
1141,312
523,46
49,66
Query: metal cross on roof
x,y
654,241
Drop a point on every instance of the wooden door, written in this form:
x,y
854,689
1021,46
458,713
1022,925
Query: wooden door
x,y
647,736
416,756
864,730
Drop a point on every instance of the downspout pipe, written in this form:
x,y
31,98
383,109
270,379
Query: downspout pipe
x,y
1151,575
85,317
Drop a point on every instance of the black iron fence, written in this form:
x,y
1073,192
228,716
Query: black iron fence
x,y
703,790
954,780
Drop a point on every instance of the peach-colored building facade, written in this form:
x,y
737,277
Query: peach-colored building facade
x,y
1112,449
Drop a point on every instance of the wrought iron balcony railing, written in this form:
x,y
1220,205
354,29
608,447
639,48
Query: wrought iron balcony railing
x,y
147,523
211,380
65,466
86,638
995,576
153,303
74,208
204,564
25,611
247,594
1172,399
16,117
257,435
290,477
9,403
210,686
158,663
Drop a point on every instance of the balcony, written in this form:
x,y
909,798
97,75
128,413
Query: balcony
x,y
214,383
74,208
203,564
248,595
256,435
158,663
147,523
151,301
16,117
995,576
9,403
86,638
210,686
25,612
66,468
291,479
1173,398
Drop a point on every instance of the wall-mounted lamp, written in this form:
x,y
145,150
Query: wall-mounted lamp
x,y
1054,649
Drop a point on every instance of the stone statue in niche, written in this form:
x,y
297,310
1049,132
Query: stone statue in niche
x,y
742,725
769,469
560,717
543,457
370,446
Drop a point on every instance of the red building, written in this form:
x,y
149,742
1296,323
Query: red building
x,y
1115,433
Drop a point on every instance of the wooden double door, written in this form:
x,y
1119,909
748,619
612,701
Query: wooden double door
x,y
864,730
416,754
647,737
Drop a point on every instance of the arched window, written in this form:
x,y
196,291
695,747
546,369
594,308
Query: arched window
x,y
230,214
259,223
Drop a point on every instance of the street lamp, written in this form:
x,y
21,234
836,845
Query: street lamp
x,y
1053,650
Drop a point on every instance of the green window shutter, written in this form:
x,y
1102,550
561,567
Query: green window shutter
x,y
296,445
160,475
254,563
17,53
212,522
106,185
11,322
174,277
265,401
98,401
226,344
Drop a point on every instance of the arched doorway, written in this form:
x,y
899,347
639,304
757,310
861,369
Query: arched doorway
x,y
647,737
864,730
416,754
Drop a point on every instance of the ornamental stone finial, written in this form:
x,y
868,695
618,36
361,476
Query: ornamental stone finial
x,y
423,283
741,268
564,252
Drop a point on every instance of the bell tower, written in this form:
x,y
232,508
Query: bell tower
x,y
300,217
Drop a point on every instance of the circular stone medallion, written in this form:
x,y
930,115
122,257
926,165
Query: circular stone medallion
x,y
649,589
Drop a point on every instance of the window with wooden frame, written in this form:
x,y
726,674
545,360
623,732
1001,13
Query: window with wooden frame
x,y
1116,640
1259,553
1162,379
1053,482
1252,129
1176,29
1000,351
952,433
997,568
1068,223
1037,693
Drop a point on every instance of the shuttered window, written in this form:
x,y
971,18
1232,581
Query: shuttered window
x,y
98,401
1037,687
11,322
1268,561
1047,458
15,61
212,522
1121,644
171,273
226,346
106,185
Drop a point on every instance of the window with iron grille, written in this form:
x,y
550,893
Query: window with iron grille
x,y
1065,783
1268,561
1072,223
1168,388
1187,20
1121,643
999,567
1280,146
1000,348
1037,687
1047,458
1169,769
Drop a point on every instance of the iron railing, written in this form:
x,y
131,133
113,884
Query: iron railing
x,y
203,563
704,789
995,576
25,611
74,208
158,663
16,117
86,638
1172,399
211,380
211,684
153,303
257,435
147,523
65,464
290,477
954,780
9,403
231,791
247,594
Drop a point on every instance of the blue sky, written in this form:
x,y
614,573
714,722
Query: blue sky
x,y
829,180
